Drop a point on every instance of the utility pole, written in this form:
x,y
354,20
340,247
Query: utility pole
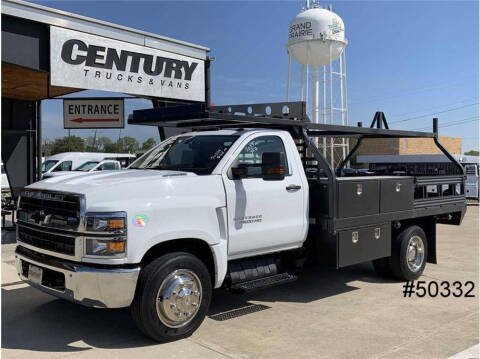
x,y
95,139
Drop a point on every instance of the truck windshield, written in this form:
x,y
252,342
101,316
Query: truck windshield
x,y
48,164
198,154
87,166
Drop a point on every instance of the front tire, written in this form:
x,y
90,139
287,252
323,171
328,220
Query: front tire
x,y
172,297
409,254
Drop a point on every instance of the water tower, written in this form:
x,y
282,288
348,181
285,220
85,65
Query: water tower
x,y
316,40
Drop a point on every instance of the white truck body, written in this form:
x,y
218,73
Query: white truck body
x,y
210,207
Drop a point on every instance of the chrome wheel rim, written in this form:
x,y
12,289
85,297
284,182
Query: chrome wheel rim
x,y
179,298
415,253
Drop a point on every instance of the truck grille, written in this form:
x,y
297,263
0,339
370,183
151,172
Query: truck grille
x,y
50,209
51,203
48,241
46,219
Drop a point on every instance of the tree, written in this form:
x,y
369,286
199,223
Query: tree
x,y
127,144
149,143
47,148
123,145
111,148
102,142
67,144
91,148
471,153
96,144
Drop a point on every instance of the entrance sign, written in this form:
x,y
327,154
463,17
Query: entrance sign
x,y
93,113
86,61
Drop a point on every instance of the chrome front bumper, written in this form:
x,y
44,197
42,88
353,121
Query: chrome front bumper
x,y
89,286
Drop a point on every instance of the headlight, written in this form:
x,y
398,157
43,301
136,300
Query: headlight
x,y
113,230
107,222
105,247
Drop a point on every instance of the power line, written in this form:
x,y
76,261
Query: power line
x,y
454,123
435,113
431,108
459,122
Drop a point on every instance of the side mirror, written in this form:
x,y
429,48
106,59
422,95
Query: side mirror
x,y
239,172
273,166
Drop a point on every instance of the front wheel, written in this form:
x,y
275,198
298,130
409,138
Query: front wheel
x,y
172,297
409,254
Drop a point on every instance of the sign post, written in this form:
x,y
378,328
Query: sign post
x,y
93,113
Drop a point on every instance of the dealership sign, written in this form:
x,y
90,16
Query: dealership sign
x,y
87,61
93,113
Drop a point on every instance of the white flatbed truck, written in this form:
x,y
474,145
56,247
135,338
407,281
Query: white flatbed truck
x,y
239,202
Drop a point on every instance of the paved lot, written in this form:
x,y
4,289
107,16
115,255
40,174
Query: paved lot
x,y
325,314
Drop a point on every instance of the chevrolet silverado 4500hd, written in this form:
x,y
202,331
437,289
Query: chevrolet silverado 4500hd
x,y
240,202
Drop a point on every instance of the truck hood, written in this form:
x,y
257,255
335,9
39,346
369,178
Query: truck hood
x,y
105,180
123,190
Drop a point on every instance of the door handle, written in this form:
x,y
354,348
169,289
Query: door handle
x,y
293,187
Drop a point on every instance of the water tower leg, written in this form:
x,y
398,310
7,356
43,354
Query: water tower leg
x,y
302,75
342,106
332,159
346,99
315,99
306,87
324,109
288,75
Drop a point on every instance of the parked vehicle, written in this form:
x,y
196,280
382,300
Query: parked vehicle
x,y
242,203
87,167
472,181
67,161
4,179
6,192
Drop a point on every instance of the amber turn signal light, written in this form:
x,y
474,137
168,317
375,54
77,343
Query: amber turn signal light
x,y
116,223
116,246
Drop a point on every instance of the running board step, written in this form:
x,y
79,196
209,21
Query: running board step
x,y
264,282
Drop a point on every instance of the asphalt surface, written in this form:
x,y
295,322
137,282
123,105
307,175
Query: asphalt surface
x,y
325,314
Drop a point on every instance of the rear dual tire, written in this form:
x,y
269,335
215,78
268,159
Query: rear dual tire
x,y
409,256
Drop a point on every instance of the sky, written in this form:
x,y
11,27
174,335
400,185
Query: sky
x,y
413,60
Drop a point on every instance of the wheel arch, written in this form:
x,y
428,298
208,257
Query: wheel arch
x,y
197,247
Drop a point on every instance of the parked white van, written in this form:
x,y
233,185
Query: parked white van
x,y
63,162
87,167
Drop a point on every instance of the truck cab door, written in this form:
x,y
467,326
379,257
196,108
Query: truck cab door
x,y
264,215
